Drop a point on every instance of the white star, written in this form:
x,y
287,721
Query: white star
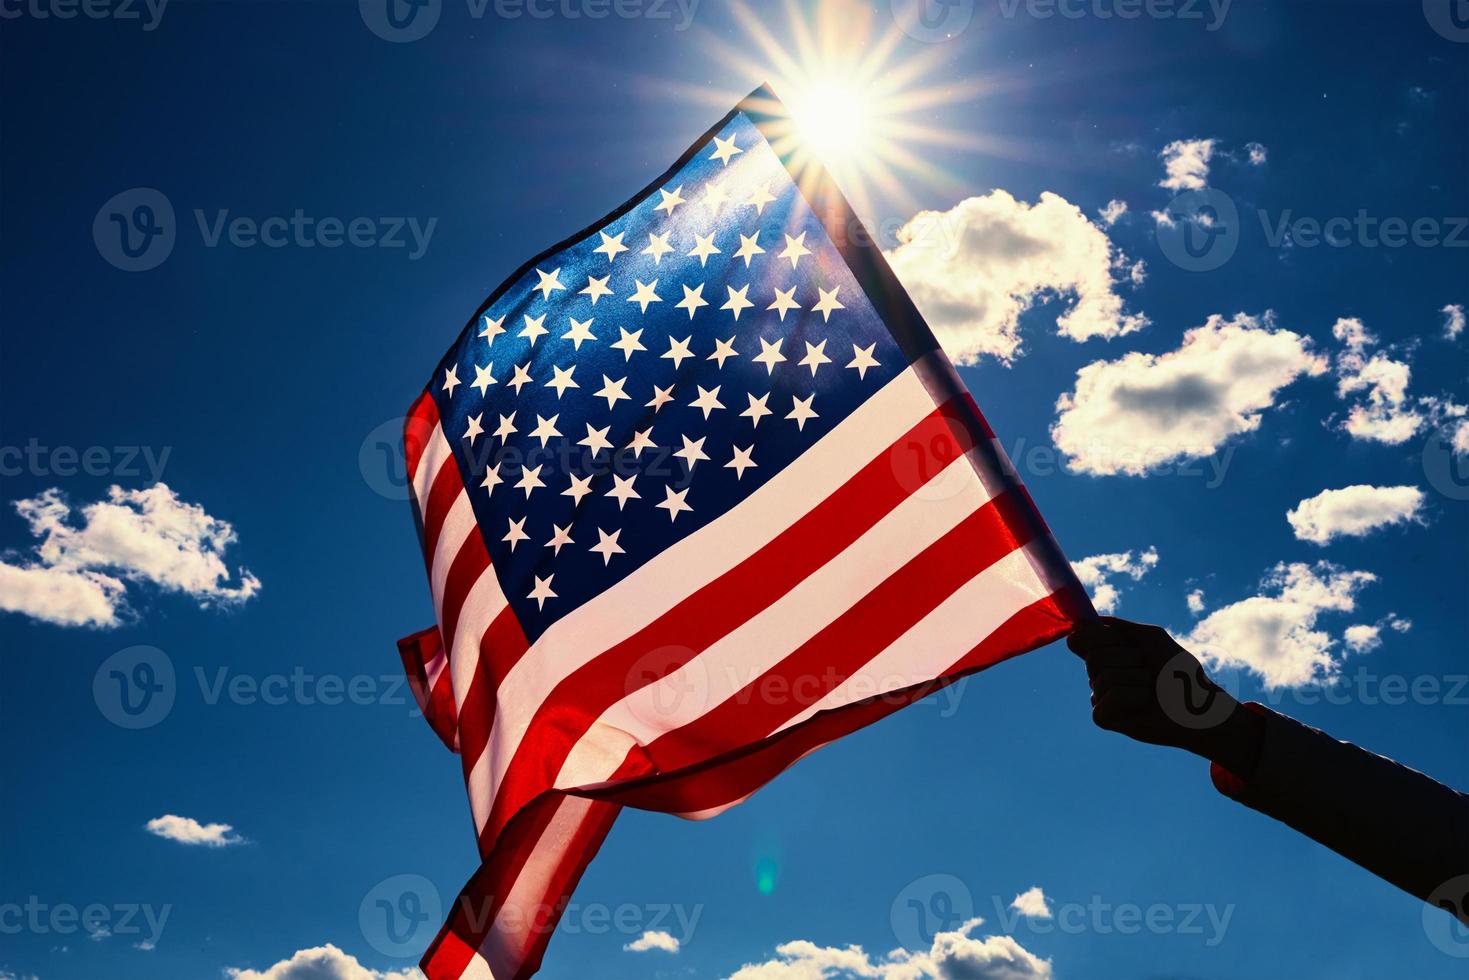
x,y
562,380
757,409
580,330
492,478
516,534
769,355
482,378
661,397
597,288
678,350
622,490
657,246
670,200
703,248
629,343
475,429
580,487
828,303
535,328
741,461
550,282
607,545
645,294
708,401
723,350
506,428
815,357
559,536
530,479
692,451
596,438
542,590
784,301
611,245
674,503
738,300
612,391
451,380
726,150
641,440
521,378
795,248
862,359
714,197
801,411
692,300
761,197
545,429
491,328
749,248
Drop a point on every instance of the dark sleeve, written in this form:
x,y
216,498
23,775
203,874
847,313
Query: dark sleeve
x,y
1394,821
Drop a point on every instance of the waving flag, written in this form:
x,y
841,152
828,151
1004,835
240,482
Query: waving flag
x,y
698,493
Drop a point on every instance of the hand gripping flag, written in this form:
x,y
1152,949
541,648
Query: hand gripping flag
x,y
698,493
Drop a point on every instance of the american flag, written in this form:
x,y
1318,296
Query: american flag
x,y
698,493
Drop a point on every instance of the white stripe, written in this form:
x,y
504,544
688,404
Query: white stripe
x,y
942,638
429,463
458,526
759,644
695,561
482,604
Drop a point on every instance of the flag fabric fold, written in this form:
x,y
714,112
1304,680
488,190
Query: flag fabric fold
x,y
698,493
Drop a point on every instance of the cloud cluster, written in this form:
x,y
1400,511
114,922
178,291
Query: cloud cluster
x,y
1453,321
653,939
1097,572
321,963
974,269
1274,633
1143,411
1032,903
1186,164
1375,385
1354,512
187,830
79,570
954,955
1366,637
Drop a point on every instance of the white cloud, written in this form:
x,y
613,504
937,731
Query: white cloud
x,y
953,956
1114,210
1142,411
321,963
1461,438
1453,320
1365,637
1195,600
1186,164
187,830
974,269
653,939
1274,633
1354,512
78,572
1257,154
1097,571
1032,903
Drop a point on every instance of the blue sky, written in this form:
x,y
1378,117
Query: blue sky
x,y
264,384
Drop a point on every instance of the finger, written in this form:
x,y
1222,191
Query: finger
x,y
1108,678
1117,708
1104,656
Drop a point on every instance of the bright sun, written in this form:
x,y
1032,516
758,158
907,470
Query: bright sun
x,y
831,119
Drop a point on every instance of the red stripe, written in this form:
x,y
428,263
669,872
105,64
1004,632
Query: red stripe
x,y
872,624
418,431
678,636
446,488
469,564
